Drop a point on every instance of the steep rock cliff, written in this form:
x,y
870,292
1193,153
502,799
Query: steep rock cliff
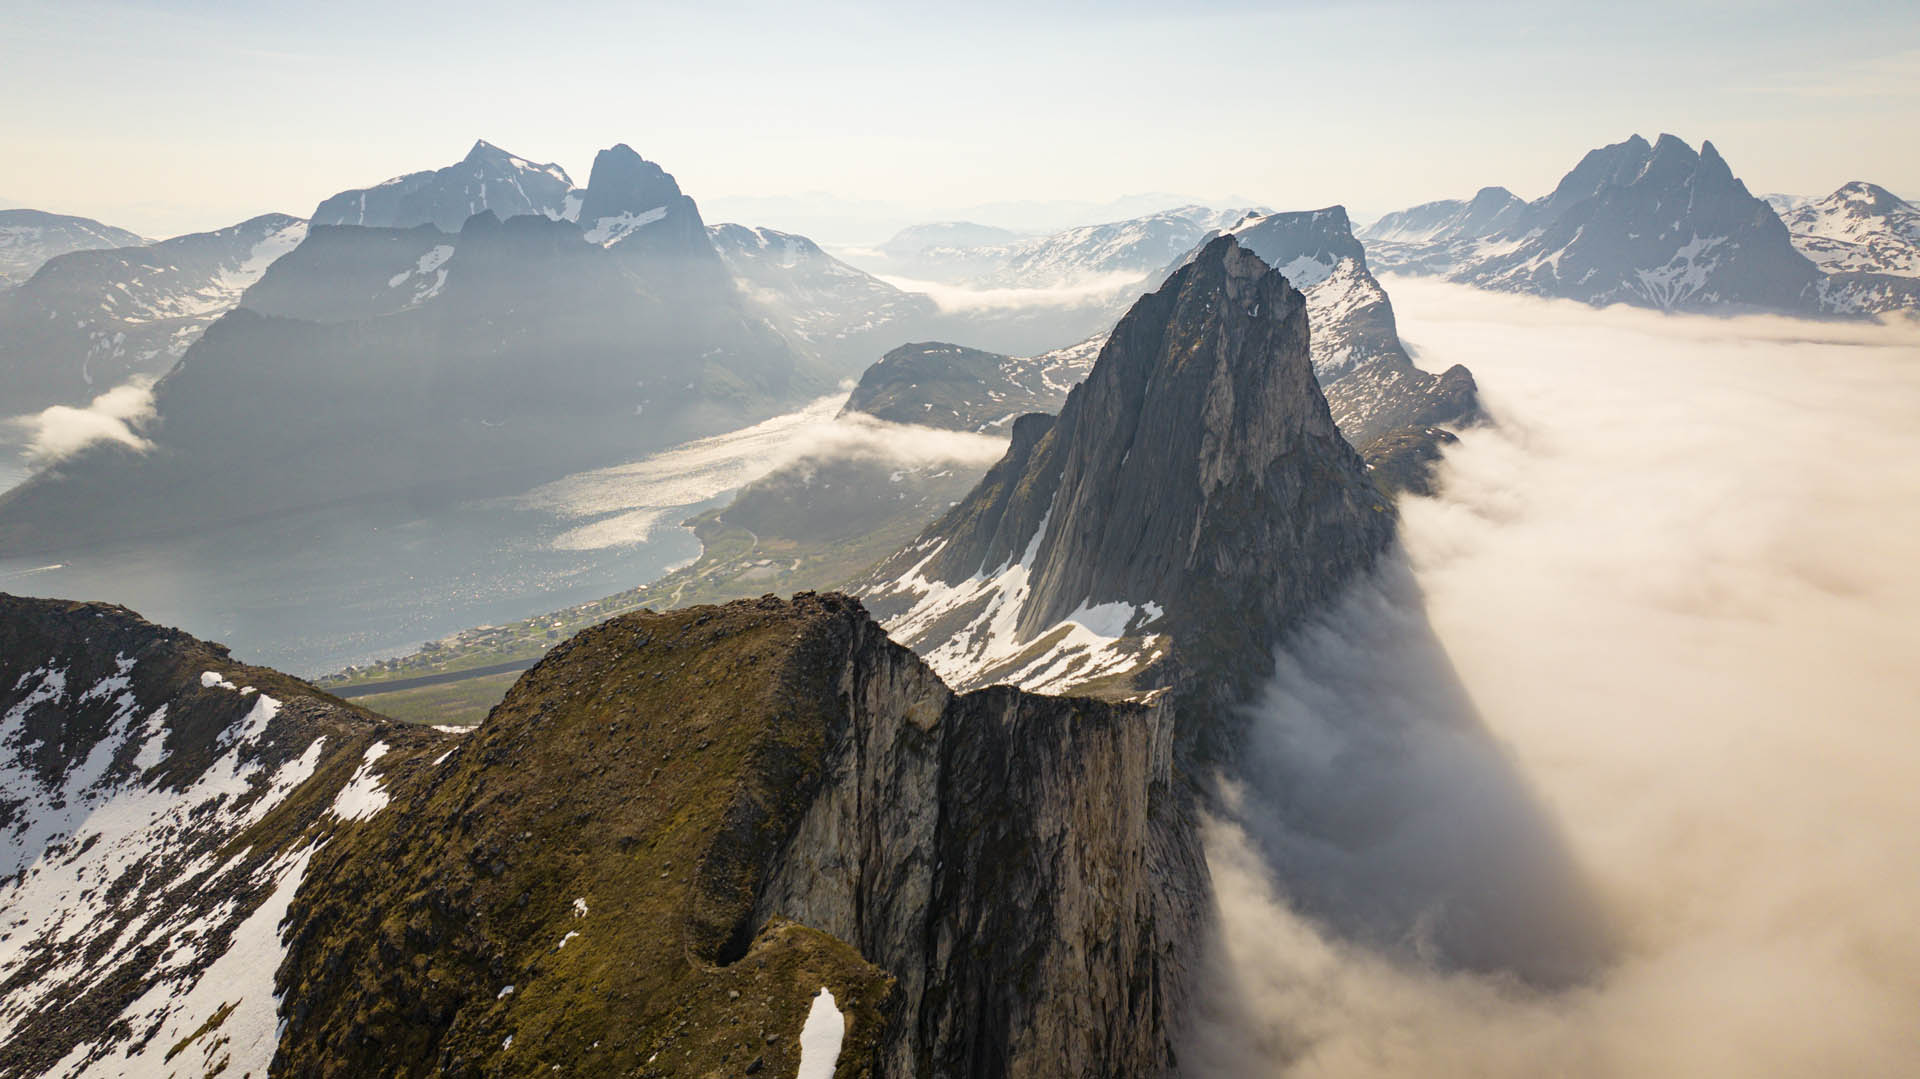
x,y
678,828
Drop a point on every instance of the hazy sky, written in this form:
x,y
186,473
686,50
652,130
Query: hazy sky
x,y
167,117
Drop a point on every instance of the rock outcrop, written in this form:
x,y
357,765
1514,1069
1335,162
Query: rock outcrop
x,y
679,827
935,384
1371,384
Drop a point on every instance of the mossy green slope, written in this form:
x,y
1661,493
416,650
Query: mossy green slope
x,y
597,845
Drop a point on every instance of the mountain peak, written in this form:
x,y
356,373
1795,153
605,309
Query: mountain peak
x,y
1872,195
623,182
487,178
1247,481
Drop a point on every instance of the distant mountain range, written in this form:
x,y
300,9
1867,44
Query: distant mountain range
x,y
387,362
1655,225
90,319
982,257
488,178
1660,225
28,238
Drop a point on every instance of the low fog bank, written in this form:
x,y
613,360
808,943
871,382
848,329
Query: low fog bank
x,y
1101,291
625,504
60,431
1677,586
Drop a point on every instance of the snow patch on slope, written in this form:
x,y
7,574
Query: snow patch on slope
x,y
1091,643
821,1037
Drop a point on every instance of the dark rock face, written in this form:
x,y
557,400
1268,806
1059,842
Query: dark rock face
x,y
721,810
1197,467
92,319
1404,459
935,384
623,182
488,179
1263,438
539,353
1371,384
155,796
28,238
344,273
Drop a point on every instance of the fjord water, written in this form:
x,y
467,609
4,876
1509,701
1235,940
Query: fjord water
x,y
311,592
1674,584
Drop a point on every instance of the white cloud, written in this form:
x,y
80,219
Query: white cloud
x,y
1678,585
115,416
625,504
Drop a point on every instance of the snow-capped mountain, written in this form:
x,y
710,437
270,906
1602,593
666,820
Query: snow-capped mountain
x,y
160,803
1491,211
841,312
89,320
1119,252
1657,226
375,362
29,238
1862,227
488,178
1650,224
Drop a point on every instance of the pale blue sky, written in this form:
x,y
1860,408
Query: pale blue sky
x,y
165,117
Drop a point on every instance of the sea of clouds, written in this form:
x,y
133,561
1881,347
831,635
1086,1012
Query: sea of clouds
x,y
1639,698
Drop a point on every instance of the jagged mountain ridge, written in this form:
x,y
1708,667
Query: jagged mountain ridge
x,y
1077,561
92,319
